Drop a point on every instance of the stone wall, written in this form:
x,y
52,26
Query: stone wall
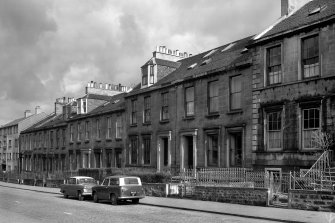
x,y
155,189
312,200
248,196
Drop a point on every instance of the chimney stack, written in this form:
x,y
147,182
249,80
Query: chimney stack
x,y
37,110
27,113
289,6
284,7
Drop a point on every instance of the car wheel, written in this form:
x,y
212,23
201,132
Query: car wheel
x,y
113,199
80,196
65,195
95,198
135,201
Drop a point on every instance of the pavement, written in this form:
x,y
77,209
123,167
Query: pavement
x,y
271,214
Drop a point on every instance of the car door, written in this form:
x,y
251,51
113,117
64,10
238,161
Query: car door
x,y
71,186
103,190
114,186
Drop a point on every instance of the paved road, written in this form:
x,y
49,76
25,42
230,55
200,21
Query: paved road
x,y
30,206
253,213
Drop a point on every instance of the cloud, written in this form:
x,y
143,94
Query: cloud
x,y
52,48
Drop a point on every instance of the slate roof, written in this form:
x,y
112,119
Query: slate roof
x,y
220,59
115,103
97,97
302,17
162,62
167,63
15,122
50,121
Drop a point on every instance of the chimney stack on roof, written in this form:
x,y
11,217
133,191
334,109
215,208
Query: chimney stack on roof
x,y
37,110
288,6
105,89
27,113
162,52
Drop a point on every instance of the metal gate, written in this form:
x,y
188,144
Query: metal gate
x,y
278,188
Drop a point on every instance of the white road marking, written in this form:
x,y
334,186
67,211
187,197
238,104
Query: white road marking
x,y
68,213
18,202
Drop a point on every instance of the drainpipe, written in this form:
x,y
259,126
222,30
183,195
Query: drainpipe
x,y
175,127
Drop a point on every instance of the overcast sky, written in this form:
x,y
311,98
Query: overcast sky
x,y
52,48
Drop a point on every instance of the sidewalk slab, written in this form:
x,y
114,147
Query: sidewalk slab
x,y
247,211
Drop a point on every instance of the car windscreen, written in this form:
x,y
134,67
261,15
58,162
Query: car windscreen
x,y
86,180
130,180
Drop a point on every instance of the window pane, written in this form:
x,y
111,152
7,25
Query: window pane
x,y
310,54
213,93
189,100
235,92
274,132
311,123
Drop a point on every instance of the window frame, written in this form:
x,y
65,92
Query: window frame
x,y
98,128
118,127
109,127
270,112
151,74
231,93
133,114
146,140
304,130
211,97
318,69
79,131
133,160
165,106
87,130
189,102
71,133
268,64
147,109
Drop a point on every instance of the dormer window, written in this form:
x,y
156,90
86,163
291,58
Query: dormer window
x,y
317,10
192,66
210,53
144,79
82,106
151,74
206,61
228,47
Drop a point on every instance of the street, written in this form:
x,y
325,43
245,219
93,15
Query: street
x,y
29,206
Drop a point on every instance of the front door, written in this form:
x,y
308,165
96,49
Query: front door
x,y
165,151
189,152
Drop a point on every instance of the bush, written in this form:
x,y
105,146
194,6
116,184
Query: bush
x,y
147,176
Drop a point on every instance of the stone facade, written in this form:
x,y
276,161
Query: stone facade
x,y
182,141
94,143
294,97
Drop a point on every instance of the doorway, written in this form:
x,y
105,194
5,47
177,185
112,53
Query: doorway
x,y
118,158
165,151
187,151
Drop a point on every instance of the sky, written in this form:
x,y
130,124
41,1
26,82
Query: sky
x,y
53,48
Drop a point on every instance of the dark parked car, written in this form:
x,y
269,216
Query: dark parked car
x,y
79,186
119,188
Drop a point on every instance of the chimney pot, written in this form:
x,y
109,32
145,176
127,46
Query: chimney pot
x,y
37,110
